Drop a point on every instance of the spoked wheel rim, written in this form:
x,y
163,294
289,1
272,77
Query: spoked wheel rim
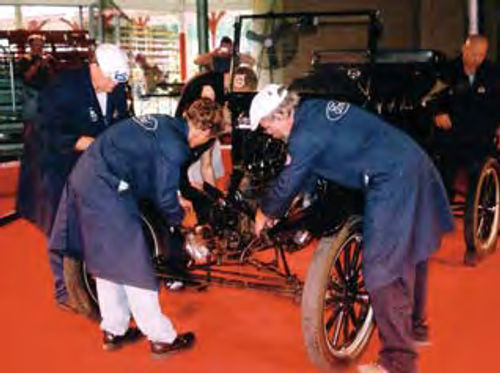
x,y
487,211
89,283
348,314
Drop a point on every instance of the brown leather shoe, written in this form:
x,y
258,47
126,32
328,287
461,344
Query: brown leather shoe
x,y
420,334
111,342
183,341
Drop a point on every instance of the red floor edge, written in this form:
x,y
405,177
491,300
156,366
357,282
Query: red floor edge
x,y
238,330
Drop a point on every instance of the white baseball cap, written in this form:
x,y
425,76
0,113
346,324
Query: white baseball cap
x,y
113,62
265,102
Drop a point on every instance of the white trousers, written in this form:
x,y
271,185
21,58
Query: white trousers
x,y
118,302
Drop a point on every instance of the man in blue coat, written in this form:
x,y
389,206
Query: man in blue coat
x,y
75,108
406,209
137,159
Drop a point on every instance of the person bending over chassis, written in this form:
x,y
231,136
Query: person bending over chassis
x,y
406,208
136,159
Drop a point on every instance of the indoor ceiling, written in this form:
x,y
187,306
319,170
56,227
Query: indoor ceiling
x,y
158,5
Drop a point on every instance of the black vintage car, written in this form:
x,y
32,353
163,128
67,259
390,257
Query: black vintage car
x,y
336,55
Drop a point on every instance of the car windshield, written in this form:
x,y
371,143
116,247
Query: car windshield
x,y
285,45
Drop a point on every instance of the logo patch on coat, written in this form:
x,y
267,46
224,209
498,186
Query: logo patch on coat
x,y
336,110
148,122
93,115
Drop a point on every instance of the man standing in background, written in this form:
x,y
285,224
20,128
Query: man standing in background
x,y
73,109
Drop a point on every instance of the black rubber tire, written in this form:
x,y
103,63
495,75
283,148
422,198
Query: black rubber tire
x,y
319,289
153,241
482,209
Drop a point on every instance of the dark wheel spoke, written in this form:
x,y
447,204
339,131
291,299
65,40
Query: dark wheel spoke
x,y
340,271
482,228
332,318
352,315
358,267
355,258
338,327
347,260
487,207
335,286
346,327
361,286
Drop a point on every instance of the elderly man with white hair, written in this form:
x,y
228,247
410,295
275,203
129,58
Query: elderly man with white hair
x,y
76,107
406,210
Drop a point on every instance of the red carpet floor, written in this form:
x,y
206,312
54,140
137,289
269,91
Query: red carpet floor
x,y
238,330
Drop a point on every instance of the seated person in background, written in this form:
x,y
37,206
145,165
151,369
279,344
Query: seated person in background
x,y
210,166
467,113
245,79
207,85
205,163
219,59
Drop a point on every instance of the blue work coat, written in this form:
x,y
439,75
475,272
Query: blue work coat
x,y
67,109
406,208
99,218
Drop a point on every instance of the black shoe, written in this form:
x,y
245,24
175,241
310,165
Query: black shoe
x,y
112,342
470,259
183,341
420,334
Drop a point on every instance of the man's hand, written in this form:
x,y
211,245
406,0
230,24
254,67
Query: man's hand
x,y
443,121
261,221
221,51
46,60
83,143
186,204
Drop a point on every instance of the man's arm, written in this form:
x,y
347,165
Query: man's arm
x,y
204,59
166,195
119,99
442,94
289,181
83,143
246,59
206,167
57,119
